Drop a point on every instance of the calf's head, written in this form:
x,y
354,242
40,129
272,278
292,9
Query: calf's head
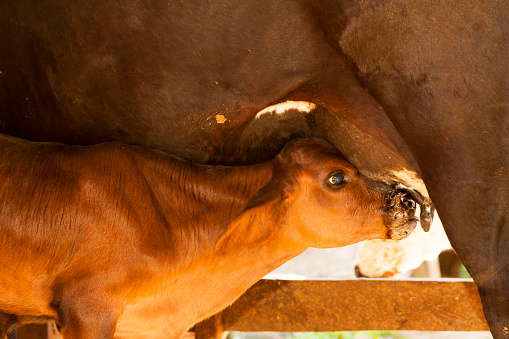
x,y
327,202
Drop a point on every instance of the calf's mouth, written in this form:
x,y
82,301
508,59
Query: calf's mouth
x,y
402,231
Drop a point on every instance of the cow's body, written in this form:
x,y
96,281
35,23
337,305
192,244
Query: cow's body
x,y
114,240
403,89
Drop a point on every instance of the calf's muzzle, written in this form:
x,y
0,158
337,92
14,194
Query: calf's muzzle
x,y
400,217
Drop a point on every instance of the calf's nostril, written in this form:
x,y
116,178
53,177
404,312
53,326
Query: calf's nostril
x,y
408,201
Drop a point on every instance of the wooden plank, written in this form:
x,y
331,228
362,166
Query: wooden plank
x,y
33,331
344,305
39,331
354,305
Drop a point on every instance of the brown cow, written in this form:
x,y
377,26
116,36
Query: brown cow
x,y
118,241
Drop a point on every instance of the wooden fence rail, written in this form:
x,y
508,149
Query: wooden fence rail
x,y
351,305
348,305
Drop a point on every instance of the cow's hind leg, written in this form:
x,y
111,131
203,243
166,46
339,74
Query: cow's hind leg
x,y
480,237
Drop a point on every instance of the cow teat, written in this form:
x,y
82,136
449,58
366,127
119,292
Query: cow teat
x,y
426,206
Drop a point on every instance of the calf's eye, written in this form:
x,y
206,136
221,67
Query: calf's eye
x,y
336,179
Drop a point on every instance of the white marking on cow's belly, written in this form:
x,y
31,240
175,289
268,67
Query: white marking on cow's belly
x,y
301,106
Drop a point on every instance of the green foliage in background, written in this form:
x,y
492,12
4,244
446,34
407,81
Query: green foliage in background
x,y
464,272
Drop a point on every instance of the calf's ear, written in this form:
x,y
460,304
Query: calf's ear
x,y
276,192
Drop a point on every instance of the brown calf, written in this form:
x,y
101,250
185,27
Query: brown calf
x,y
118,241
